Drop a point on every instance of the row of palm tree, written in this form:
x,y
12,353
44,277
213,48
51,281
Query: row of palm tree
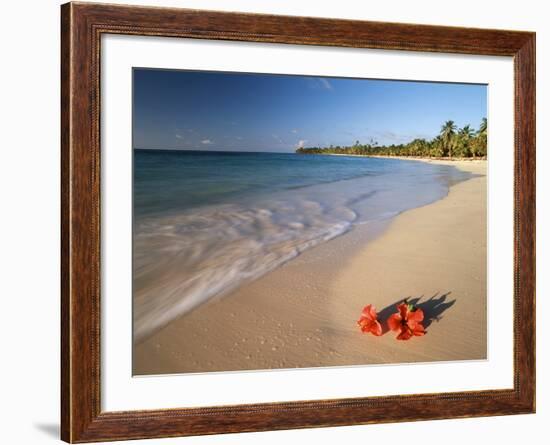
x,y
452,142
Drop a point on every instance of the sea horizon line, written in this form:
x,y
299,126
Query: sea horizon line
x,y
214,151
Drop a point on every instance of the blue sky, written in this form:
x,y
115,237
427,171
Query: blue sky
x,y
193,110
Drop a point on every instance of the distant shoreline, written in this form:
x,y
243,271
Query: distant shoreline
x,y
412,158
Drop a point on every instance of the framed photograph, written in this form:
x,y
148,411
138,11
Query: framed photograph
x,y
274,222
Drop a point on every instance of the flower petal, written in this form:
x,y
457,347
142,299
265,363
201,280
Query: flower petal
x,y
416,315
403,310
373,312
394,322
376,328
418,330
369,312
366,326
405,334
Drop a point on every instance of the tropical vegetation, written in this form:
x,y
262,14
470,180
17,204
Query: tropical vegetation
x,y
451,142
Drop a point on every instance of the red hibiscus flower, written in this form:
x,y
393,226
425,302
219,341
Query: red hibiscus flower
x,y
408,321
369,322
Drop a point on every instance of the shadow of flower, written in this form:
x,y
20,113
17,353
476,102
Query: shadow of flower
x,y
433,308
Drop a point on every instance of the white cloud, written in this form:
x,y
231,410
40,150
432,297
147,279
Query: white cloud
x,y
179,136
206,142
294,131
325,84
301,143
319,83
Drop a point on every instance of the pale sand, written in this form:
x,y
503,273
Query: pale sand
x,y
304,313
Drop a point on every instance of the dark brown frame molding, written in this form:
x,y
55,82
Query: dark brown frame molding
x,y
82,25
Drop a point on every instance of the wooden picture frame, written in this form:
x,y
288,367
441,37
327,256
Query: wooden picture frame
x,y
82,25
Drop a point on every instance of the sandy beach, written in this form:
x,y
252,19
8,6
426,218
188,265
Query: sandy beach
x,y
304,313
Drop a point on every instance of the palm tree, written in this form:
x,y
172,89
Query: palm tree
x,y
447,132
465,135
466,132
436,147
483,127
481,139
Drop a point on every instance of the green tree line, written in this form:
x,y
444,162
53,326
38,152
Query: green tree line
x,y
452,142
